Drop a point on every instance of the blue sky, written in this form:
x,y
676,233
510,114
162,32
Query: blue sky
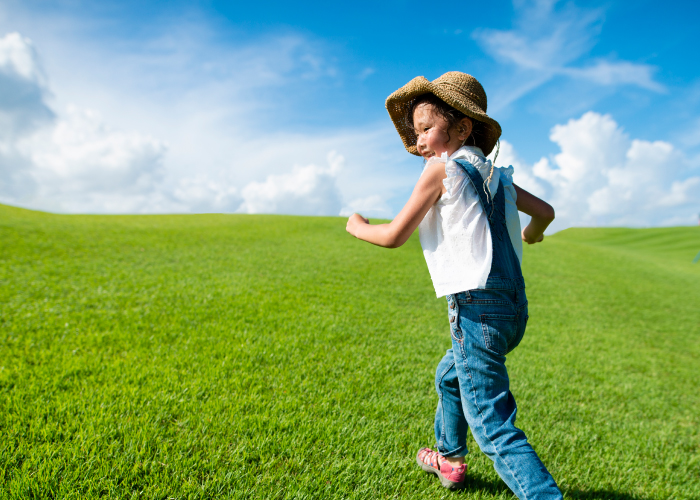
x,y
147,107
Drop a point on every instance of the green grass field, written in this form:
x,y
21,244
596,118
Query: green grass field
x,y
237,356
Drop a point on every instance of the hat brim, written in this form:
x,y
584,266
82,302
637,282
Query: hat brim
x,y
399,103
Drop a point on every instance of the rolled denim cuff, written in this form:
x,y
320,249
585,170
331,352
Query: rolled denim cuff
x,y
461,451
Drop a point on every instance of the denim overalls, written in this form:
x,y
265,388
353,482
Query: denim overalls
x,y
472,380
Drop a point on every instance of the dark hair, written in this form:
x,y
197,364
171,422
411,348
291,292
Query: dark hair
x,y
451,115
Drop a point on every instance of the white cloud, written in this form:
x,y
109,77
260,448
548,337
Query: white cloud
x,y
602,177
552,39
309,190
370,206
23,90
201,194
618,73
18,56
81,154
682,193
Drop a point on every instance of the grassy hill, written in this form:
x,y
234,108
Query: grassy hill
x,y
237,356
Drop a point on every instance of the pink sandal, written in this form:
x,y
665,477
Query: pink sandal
x,y
451,477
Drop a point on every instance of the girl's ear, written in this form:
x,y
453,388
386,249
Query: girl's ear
x,y
464,128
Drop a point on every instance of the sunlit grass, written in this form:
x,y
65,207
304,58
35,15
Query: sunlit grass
x,y
234,356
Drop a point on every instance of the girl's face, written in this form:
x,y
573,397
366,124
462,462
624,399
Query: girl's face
x,y
433,136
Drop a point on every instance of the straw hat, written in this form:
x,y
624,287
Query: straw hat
x,y
459,90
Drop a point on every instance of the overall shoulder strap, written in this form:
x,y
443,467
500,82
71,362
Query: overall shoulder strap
x,y
478,183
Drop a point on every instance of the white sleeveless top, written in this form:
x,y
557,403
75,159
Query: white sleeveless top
x,y
455,233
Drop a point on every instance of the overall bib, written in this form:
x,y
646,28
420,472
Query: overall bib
x,y
472,380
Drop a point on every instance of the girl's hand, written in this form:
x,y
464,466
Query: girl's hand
x,y
529,239
354,222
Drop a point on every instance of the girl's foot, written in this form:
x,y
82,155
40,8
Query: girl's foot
x,y
434,463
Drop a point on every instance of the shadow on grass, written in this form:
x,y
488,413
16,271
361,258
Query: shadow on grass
x,y
473,484
497,488
601,495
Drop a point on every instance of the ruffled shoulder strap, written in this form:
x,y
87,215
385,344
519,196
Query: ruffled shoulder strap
x,y
506,175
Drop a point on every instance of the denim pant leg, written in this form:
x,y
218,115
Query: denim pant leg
x,y
450,424
480,339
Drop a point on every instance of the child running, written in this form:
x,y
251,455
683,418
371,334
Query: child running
x,y
467,214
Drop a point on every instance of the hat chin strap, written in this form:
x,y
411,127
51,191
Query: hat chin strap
x,y
464,142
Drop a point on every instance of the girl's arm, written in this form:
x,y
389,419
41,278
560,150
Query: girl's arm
x,y
541,212
427,192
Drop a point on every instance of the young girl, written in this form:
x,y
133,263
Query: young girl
x,y
467,213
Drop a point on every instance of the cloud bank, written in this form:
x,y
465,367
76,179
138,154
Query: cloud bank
x,y
72,160
602,177
308,190
69,163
